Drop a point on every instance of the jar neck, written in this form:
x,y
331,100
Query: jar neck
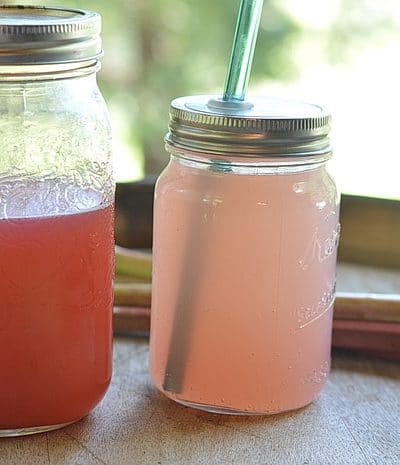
x,y
243,165
19,97
48,72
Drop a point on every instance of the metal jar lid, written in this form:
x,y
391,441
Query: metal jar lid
x,y
41,35
263,128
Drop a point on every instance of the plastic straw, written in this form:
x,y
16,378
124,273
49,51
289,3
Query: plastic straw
x,y
242,54
198,240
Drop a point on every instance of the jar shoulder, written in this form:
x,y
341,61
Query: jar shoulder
x,y
312,184
61,102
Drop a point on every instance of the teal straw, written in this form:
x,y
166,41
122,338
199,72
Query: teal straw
x,y
244,43
193,263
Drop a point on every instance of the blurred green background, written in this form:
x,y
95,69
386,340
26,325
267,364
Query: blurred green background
x,y
339,52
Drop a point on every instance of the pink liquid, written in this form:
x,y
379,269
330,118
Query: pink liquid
x,y
248,262
55,316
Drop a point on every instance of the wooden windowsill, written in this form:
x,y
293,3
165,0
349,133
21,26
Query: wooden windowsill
x,y
370,227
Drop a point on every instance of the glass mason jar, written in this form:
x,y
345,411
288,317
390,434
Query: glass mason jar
x,y
56,220
245,237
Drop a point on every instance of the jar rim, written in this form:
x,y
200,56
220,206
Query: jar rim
x,y
241,160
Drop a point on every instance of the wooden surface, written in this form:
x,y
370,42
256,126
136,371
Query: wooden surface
x,y
370,231
355,421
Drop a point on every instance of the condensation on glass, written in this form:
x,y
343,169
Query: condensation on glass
x,y
56,219
245,237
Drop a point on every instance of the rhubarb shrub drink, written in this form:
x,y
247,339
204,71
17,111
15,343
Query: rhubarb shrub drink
x,y
56,295
56,220
245,237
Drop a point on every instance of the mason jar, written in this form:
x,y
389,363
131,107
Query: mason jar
x,y
245,237
56,220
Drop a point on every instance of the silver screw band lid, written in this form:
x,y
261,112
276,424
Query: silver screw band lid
x,y
41,35
263,127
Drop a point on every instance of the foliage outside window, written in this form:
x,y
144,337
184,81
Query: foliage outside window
x,y
338,52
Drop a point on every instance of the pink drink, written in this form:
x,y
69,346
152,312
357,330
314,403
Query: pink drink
x,y
256,256
56,307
